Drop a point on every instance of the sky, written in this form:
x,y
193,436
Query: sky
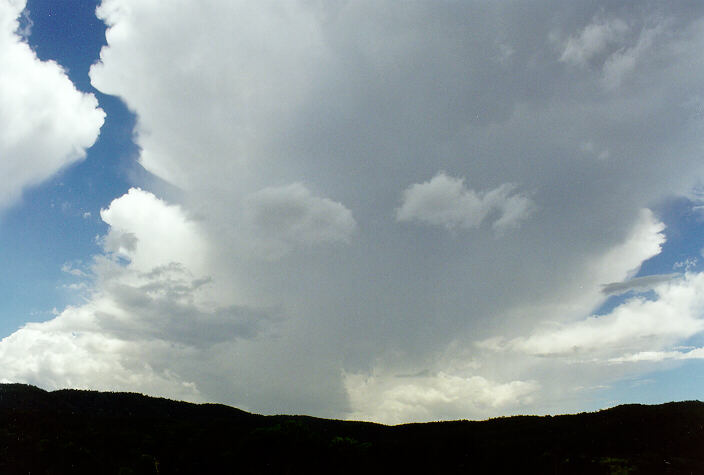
x,y
389,211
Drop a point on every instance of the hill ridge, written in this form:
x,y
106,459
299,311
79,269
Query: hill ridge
x,y
84,431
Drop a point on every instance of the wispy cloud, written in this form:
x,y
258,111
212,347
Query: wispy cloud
x,y
639,284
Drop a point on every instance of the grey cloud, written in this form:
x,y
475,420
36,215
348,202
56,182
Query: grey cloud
x,y
639,284
446,201
163,307
120,242
292,216
424,373
594,39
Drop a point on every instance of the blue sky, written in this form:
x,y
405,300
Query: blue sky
x,y
395,212
32,281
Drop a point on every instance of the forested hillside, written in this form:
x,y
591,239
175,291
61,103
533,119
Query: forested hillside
x,y
71,431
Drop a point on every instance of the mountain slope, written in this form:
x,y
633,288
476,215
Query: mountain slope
x,y
71,431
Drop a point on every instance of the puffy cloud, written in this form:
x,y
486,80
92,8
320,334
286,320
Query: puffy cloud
x,y
427,398
613,46
145,309
282,217
59,358
151,233
446,201
45,123
594,39
167,304
215,95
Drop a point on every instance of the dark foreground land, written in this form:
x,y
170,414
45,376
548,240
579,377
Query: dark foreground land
x,y
80,432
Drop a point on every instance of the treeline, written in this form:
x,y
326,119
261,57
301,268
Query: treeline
x,y
77,432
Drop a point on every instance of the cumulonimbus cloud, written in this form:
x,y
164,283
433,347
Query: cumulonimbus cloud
x,y
239,104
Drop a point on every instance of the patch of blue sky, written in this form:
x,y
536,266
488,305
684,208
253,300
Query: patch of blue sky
x,y
682,251
57,221
685,238
614,301
68,32
677,379
673,381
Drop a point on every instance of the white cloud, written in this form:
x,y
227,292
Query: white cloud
x,y
655,356
69,268
290,216
426,398
58,354
612,46
26,24
624,61
644,240
45,123
446,201
594,40
232,95
145,312
676,313
513,208
151,233
687,264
